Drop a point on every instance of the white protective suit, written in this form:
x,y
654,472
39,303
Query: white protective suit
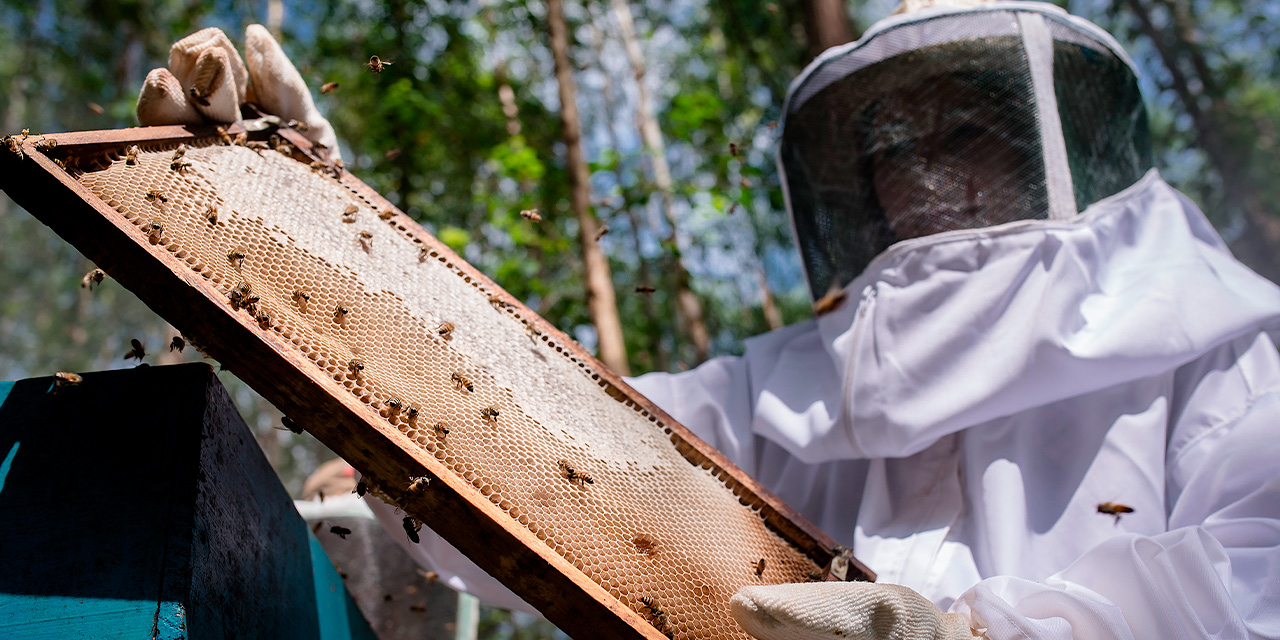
x,y
982,391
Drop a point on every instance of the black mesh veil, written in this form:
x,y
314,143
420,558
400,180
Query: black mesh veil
x,y
934,125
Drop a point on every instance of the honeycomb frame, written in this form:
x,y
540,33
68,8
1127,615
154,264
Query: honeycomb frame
x,y
370,431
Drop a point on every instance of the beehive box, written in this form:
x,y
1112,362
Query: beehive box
x,y
544,468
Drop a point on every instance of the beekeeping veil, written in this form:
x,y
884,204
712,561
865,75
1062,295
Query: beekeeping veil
x,y
955,118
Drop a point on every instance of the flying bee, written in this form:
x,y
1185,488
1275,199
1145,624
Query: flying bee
x,y
461,382
179,343
211,213
386,214
733,206
377,64
733,149
1114,509
419,484
328,87
744,183
645,289
829,302
760,568
429,576
341,532
64,379
531,215
602,232
236,257
46,144
138,351
445,330
340,314
418,608
94,276
355,366
489,413
154,195
366,241
154,229
411,528
289,424
441,429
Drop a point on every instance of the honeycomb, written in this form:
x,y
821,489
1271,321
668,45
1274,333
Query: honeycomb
x,y
461,374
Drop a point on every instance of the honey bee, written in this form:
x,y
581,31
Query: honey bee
x,y
336,168
533,332
297,125
211,213
94,276
263,318
461,382
531,215
445,330
15,147
1114,509
328,88
429,576
602,232
733,206
497,301
315,528
573,475
411,528
181,166
733,149
411,412
355,366
224,136
773,124
198,96
154,195
154,229
64,379
60,164
236,257
257,146
241,139
177,343
393,405
829,302
377,64
760,568
138,351
441,429
418,608
301,296
645,289
658,615
26,133
179,152
46,144
362,488
386,214
489,413
423,254
744,183
341,532
289,424
239,294
340,314
419,484
366,241
349,214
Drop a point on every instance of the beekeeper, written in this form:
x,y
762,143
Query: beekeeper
x,y
1045,397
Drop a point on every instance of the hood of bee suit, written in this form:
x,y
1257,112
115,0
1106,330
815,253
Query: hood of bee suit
x,y
957,117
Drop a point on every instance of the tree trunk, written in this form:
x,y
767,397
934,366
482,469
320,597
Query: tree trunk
x,y
601,302
1257,246
688,306
826,25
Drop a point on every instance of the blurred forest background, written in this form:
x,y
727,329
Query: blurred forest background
x,y
676,104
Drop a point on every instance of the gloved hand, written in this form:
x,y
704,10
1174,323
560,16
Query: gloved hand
x,y
207,82
844,611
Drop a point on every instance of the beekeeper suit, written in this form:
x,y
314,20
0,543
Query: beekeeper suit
x,y
1027,330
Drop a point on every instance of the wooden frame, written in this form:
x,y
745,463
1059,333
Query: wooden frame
x,y
478,528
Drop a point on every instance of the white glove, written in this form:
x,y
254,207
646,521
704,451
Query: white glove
x,y
207,82
844,611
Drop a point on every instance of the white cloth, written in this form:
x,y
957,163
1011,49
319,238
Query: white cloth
x,y
962,416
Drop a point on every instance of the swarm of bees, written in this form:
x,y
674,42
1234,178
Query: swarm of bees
x,y
760,568
733,149
92,278
138,351
411,528
418,485
829,302
573,475
349,214
531,215
65,379
178,343
328,87
461,382
341,532
377,64
490,414
445,330
1114,509
154,195
366,241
